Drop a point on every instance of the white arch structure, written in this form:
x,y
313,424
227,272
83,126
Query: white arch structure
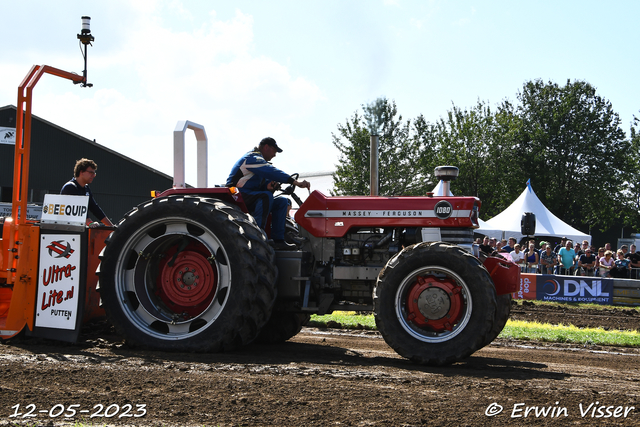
x,y
179,156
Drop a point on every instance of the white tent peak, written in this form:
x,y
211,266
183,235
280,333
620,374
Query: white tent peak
x,y
547,224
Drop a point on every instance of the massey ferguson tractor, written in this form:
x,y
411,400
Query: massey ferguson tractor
x,y
190,270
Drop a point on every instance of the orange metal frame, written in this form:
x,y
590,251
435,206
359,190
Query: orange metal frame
x,y
20,242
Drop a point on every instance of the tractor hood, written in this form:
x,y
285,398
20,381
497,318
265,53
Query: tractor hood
x,y
324,216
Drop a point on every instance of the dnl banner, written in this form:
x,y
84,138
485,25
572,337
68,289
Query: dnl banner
x,y
595,290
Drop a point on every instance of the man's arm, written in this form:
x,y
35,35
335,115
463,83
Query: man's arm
x,y
582,262
303,184
252,169
96,210
258,166
70,188
274,185
106,221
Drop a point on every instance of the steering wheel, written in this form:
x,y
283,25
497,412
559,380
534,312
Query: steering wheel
x,y
290,190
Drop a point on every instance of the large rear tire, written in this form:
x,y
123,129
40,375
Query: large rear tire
x,y
188,274
434,303
282,326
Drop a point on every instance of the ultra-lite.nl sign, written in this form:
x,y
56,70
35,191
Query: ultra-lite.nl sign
x,y
59,284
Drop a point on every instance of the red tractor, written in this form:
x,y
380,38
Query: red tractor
x,y
190,270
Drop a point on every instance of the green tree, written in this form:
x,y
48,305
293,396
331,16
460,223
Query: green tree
x,y
569,142
473,140
397,168
632,213
566,139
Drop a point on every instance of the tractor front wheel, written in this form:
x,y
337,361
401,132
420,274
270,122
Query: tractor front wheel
x,y
435,303
503,311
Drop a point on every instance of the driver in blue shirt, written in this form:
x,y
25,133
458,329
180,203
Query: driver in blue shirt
x,y
257,179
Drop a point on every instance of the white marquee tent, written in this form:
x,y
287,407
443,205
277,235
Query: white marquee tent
x,y
489,230
547,224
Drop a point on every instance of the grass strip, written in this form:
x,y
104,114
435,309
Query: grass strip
x,y
520,330
343,320
536,331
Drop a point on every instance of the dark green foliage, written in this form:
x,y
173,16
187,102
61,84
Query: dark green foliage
x,y
397,154
632,196
566,139
476,141
569,142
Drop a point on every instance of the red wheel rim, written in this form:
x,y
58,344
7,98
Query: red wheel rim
x,y
434,303
187,281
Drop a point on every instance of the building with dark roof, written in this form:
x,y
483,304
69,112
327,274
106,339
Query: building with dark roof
x,y
122,183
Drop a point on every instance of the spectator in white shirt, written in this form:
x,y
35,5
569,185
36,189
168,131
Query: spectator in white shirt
x,y
517,255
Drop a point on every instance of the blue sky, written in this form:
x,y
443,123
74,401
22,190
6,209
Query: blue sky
x,y
293,70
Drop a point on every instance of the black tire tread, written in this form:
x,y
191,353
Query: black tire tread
x,y
251,294
503,311
282,326
476,332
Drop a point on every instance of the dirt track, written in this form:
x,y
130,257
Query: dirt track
x,y
323,377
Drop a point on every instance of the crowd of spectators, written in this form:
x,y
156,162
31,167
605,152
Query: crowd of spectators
x,y
564,259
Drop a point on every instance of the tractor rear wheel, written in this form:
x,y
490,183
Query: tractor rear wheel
x,y
188,274
434,303
281,326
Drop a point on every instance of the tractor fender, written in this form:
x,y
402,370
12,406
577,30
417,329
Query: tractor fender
x,y
504,273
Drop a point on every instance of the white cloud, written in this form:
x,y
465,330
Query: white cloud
x,y
208,74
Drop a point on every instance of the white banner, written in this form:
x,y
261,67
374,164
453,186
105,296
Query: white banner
x,y
64,209
58,291
33,211
8,136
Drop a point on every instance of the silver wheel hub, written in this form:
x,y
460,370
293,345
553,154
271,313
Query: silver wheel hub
x,y
434,303
189,278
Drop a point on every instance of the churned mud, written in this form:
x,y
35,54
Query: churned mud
x,y
324,377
